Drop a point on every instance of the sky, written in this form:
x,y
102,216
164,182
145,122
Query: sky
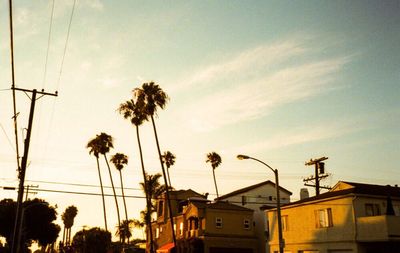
x,y
281,81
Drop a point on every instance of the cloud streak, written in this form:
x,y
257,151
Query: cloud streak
x,y
257,81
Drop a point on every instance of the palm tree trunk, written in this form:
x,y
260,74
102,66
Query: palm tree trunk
x,y
171,218
169,179
215,182
113,188
102,194
63,240
148,198
123,195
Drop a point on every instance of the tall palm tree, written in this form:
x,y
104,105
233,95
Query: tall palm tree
x,y
169,160
133,110
119,160
68,219
215,161
153,97
106,143
94,147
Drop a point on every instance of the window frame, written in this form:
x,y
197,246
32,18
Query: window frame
x,y
323,218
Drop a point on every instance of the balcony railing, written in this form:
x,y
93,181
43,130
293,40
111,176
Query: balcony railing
x,y
378,228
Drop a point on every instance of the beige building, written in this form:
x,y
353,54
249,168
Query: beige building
x,y
253,197
204,226
352,217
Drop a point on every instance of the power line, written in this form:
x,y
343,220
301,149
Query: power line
x,y
8,139
48,45
66,44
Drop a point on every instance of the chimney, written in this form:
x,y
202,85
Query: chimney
x,y
304,193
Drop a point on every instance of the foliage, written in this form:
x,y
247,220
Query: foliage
x,y
94,240
69,215
37,223
119,160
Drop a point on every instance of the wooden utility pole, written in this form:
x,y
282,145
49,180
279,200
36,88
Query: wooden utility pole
x,y
22,172
319,166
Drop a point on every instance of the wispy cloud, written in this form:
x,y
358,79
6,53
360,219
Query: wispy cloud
x,y
302,135
257,81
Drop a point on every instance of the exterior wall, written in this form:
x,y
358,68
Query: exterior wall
x,y
254,199
232,223
302,232
361,201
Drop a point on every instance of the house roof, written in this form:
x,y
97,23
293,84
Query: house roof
x,y
344,188
251,187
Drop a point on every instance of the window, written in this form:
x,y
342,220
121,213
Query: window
x,y
396,210
218,222
372,209
285,223
157,232
244,200
181,228
160,208
323,218
246,224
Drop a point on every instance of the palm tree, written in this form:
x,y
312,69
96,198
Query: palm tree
x,y
124,230
169,160
94,147
215,161
68,219
106,143
153,188
152,97
119,160
133,110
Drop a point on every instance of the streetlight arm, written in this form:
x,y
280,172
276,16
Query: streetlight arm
x,y
242,157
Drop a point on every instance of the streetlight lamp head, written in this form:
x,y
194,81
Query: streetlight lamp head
x,y
242,157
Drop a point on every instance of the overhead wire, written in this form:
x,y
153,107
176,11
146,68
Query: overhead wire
x,y
48,45
66,45
13,83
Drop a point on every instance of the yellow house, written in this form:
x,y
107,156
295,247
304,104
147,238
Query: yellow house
x,y
352,217
207,227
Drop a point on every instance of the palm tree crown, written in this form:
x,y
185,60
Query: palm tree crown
x,y
119,160
105,142
152,96
214,159
134,111
94,147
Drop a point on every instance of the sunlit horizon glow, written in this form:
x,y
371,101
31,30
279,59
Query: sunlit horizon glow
x,y
279,81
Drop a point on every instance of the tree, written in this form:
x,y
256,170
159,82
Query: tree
x,y
94,240
119,160
153,97
153,189
215,161
133,111
124,231
169,160
106,143
68,219
94,148
37,222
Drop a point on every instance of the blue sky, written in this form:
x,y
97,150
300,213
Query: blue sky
x,y
283,81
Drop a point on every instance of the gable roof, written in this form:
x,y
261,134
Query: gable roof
x,y
343,188
251,187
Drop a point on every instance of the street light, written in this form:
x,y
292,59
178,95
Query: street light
x,y
278,201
